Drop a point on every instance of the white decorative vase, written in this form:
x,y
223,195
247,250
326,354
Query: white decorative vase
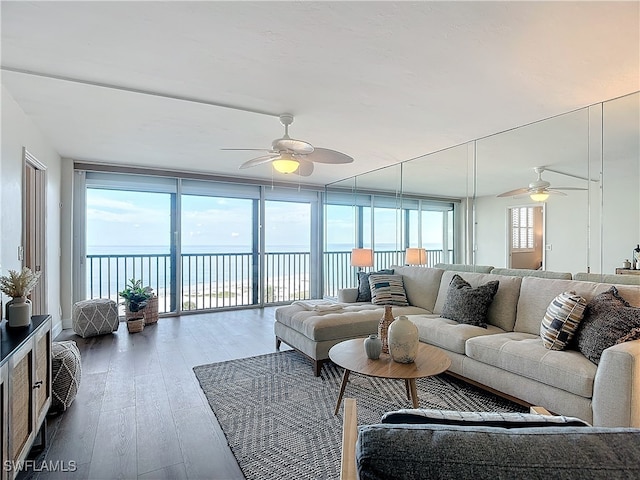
x,y
403,340
19,312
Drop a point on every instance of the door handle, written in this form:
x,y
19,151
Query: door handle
x,y
38,384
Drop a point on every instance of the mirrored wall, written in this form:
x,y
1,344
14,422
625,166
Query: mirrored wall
x,y
561,194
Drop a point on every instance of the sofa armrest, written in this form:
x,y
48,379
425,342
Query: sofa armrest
x,y
348,295
616,389
349,436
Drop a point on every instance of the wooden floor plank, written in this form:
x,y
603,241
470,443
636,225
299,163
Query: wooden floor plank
x,y
115,446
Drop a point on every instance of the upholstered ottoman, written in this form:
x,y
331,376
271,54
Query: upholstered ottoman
x,y
97,316
66,372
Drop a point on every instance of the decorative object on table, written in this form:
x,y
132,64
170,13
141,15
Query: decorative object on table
x,y
96,316
373,347
66,373
18,285
383,327
135,300
636,257
403,340
626,264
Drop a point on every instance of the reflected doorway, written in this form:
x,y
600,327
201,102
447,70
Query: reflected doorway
x,y
526,237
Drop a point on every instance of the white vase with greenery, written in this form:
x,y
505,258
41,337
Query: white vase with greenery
x,y
18,286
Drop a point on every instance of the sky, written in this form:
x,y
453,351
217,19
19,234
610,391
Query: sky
x,y
126,218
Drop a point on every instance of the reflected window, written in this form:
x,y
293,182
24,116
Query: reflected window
x,y
522,228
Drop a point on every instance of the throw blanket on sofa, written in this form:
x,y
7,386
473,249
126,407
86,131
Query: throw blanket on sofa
x,y
324,306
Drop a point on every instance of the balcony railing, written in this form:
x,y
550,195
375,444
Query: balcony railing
x,y
219,280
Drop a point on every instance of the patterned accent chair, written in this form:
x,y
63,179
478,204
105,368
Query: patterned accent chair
x,y
97,316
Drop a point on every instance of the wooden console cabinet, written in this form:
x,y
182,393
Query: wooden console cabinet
x,y
25,389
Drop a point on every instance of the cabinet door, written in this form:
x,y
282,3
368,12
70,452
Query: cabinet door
x,y
42,381
21,420
3,419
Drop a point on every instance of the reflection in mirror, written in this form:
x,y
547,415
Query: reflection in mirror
x,y
435,190
523,212
382,222
585,163
620,229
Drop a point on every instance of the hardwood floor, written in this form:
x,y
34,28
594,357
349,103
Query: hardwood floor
x,y
140,412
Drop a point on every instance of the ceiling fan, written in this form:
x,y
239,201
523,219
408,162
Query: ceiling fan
x,y
539,190
288,155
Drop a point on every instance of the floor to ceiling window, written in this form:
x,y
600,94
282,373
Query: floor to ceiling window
x,y
128,236
199,244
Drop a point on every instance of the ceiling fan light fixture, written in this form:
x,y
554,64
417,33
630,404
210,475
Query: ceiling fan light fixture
x,y
539,196
285,164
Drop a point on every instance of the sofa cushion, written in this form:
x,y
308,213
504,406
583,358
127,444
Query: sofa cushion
x,y
388,452
364,289
421,285
448,334
608,318
502,312
561,320
524,355
537,293
469,305
387,290
428,416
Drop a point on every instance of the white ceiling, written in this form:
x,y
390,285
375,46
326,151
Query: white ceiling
x,y
381,81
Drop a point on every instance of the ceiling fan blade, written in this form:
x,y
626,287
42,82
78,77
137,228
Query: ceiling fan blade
x,y
513,193
569,188
299,147
305,169
325,155
258,160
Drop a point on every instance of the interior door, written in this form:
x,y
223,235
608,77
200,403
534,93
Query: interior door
x,y
34,222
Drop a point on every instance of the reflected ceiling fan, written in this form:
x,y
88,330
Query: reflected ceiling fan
x,y
288,155
539,190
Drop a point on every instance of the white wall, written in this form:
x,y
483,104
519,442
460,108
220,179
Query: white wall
x,y
19,131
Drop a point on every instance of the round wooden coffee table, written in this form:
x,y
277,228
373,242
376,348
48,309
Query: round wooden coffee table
x,y
351,356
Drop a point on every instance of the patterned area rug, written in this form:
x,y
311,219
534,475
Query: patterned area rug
x,y
278,418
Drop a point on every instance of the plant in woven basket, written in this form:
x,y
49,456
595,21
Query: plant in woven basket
x,y
135,295
19,284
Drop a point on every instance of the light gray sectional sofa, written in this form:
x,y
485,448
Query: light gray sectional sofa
x,y
508,356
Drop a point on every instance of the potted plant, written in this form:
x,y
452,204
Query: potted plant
x,y
135,300
18,285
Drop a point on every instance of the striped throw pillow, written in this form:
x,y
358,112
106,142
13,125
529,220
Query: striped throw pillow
x,y
561,320
387,290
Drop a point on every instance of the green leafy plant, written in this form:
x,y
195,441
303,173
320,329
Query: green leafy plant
x,y
19,284
135,295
